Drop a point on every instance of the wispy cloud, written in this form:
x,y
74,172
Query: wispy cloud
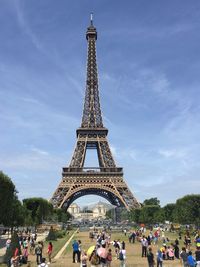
x,y
113,150
172,153
167,190
159,31
39,151
36,159
25,26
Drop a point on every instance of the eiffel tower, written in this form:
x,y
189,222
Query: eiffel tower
x,y
107,179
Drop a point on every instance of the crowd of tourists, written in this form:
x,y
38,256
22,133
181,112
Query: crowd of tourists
x,y
101,254
170,252
155,247
106,250
28,245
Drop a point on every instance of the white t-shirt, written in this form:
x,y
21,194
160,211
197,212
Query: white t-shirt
x,y
43,265
124,253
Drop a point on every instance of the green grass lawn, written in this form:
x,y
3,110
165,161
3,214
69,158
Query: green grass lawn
x,y
134,258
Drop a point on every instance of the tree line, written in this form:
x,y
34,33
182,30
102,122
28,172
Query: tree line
x,y
186,210
29,212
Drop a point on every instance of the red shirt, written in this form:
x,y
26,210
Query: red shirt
x,y
50,248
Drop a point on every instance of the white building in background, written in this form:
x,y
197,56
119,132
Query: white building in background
x,y
97,211
74,209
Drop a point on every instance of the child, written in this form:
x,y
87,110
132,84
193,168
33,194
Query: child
x,y
109,258
84,259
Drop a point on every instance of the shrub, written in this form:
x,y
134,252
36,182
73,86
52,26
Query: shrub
x,y
52,235
60,234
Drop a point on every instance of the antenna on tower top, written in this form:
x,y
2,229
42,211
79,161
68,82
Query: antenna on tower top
x,y
91,19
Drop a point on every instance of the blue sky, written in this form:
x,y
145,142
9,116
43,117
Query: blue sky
x,y
148,64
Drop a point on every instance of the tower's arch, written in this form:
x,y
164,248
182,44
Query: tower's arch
x,y
107,195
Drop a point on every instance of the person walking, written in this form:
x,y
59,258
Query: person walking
x,y
191,261
144,244
75,247
133,237
197,256
103,255
150,258
32,246
176,251
84,259
79,250
109,258
184,256
49,251
159,258
122,257
25,255
38,253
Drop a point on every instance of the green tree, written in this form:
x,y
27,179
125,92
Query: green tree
x,y
159,216
148,214
169,211
39,209
187,210
28,220
61,215
11,209
7,196
134,215
17,213
152,201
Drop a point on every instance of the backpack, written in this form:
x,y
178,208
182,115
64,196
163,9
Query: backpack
x,y
95,259
121,256
109,257
38,250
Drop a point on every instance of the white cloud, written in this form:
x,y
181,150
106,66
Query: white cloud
x,y
35,160
113,150
23,22
133,154
39,151
169,190
173,153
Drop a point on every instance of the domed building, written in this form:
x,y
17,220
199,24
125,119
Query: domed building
x,y
90,212
99,210
74,210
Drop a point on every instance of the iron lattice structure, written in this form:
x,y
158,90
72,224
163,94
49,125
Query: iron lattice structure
x,y
107,179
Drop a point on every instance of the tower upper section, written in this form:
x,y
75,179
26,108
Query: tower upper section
x,y
92,118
